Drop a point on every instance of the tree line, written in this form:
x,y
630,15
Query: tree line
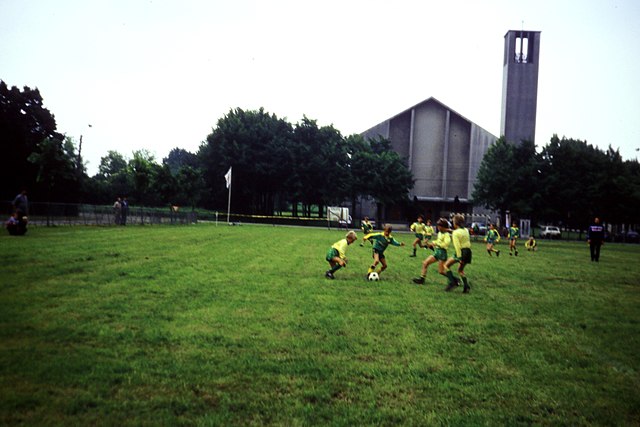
x,y
277,165
304,167
568,182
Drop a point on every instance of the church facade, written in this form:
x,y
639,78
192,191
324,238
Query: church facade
x,y
442,149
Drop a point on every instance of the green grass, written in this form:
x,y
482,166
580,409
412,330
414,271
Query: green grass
x,y
205,325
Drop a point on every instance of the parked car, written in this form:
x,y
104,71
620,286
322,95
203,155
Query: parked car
x,y
628,237
549,232
482,228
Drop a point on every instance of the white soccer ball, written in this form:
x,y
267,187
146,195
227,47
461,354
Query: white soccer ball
x,y
373,277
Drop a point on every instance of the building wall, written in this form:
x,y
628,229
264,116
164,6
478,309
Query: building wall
x,y
442,149
428,148
400,134
480,140
457,180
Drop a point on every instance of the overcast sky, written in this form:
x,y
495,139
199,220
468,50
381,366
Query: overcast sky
x,y
159,74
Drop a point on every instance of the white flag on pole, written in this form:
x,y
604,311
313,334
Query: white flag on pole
x,y
227,177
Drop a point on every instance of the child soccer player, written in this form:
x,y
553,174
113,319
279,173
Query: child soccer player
x,y
440,251
366,228
380,242
531,244
492,238
420,230
462,244
514,233
428,231
336,255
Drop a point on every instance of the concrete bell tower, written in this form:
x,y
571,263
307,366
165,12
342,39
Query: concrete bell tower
x,y
520,85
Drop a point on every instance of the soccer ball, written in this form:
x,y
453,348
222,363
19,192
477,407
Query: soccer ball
x,y
373,277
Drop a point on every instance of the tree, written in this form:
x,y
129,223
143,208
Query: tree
x,y
257,145
143,170
112,164
112,180
392,180
319,153
178,158
24,123
509,179
56,169
190,185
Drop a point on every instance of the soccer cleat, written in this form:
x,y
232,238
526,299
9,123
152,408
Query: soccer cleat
x,y
498,253
329,275
466,289
516,253
450,287
418,280
412,256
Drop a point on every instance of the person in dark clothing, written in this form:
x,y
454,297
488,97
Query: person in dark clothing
x,y
21,204
595,238
124,211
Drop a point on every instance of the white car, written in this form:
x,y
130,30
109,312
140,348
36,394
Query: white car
x,y
549,232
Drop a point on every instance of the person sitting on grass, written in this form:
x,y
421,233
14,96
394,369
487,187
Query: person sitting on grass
x,y
380,242
336,255
439,251
16,225
462,244
531,244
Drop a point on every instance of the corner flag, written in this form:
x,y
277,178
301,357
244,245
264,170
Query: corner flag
x,y
227,177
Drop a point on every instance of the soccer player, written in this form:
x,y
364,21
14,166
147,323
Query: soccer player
x,y
380,242
428,232
420,231
336,255
531,244
514,233
462,244
492,238
439,251
366,227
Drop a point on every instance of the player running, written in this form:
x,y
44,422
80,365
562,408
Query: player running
x,y
420,231
366,227
336,255
440,251
514,234
492,238
462,244
381,241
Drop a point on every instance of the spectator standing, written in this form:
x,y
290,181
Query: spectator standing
x,y
21,204
124,208
595,238
117,211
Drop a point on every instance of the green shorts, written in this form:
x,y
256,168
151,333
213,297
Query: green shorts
x,y
380,253
465,257
420,236
332,253
440,254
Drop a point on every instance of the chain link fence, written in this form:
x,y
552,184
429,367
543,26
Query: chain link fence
x,y
59,214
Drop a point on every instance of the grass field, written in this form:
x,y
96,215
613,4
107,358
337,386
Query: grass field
x,y
205,325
